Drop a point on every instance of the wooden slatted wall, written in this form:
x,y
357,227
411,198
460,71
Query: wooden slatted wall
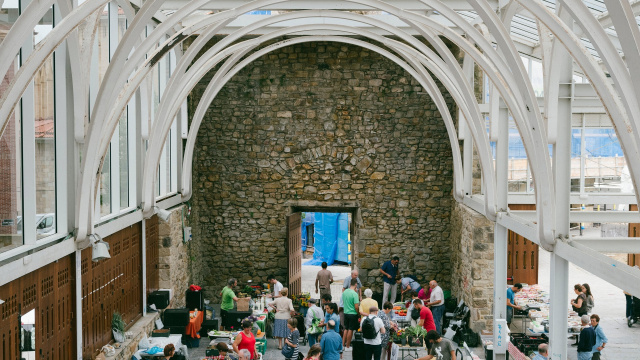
x,y
50,291
522,255
634,231
153,254
111,285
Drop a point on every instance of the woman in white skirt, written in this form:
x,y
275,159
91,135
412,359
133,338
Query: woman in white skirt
x,y
284,310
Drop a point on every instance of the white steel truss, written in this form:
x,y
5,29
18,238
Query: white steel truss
x,y
603,45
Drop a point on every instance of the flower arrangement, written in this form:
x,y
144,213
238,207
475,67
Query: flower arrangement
x,y
399,336
302,299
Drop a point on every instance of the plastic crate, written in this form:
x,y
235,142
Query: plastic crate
x,y
261,345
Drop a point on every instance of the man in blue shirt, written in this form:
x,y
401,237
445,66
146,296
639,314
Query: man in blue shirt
x,y
587,340
601,338
389,270
511,301
331,343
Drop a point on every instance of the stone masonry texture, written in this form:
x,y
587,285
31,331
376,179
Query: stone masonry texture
x,y
312,123
472,263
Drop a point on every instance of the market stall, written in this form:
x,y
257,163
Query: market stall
x,y
534,325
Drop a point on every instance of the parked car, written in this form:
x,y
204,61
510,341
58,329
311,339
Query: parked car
x,y
45,224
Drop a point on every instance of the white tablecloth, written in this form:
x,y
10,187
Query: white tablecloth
x,y
161,342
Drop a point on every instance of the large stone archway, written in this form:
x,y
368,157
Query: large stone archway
x,y
321,122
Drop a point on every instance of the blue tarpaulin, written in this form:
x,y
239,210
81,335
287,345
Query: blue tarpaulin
x,y
331,236
308,220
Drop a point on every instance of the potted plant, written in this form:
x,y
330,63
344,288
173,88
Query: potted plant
x,y
400,337
117,327
416,335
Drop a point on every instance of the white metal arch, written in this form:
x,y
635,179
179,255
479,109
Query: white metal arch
x,y
87,174
209,93
388,8
162,130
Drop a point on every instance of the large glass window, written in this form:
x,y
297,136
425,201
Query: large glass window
x,y
10,153
43,113
45,155
124,161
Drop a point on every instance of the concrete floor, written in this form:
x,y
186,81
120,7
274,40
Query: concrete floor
x,y
624,342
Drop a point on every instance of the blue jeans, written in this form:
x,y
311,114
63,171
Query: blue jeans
x,y
313,338
437,312
584,355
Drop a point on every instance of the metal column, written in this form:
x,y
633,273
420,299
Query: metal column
x,y
143,266
501,233
562,171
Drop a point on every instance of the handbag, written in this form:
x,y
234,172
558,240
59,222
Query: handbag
x,y
287,351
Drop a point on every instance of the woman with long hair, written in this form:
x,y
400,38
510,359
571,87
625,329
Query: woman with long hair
x,y
314,352
586,290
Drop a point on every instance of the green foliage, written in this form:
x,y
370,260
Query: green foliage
x,y
117,323
417,331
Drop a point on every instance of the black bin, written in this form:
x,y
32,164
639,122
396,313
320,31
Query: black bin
x,y
159,298
194,300
176,317
208,325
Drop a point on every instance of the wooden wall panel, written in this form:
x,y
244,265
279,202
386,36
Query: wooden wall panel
x,y
111,285
634,231
50,291
294,249
153,254
522,254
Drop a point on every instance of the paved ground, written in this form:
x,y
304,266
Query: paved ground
x,y
624,342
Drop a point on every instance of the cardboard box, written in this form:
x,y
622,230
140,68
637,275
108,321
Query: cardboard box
x,y
243,304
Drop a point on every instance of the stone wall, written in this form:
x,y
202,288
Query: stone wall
x,y
321,122
472,259
173,258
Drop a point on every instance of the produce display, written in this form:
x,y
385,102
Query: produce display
x,y
534,296
399,309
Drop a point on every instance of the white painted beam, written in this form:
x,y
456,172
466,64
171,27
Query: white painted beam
x,y
410,5
624,245
519,225
589,216
588,198
617,273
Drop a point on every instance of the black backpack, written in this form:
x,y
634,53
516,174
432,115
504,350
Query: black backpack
x,y
415,314
369,328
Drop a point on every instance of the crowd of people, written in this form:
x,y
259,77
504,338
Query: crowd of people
x,y
336,320
591,340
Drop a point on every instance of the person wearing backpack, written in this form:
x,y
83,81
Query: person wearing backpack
x,y
372,328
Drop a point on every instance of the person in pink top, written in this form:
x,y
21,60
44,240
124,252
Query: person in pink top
x,y
425,293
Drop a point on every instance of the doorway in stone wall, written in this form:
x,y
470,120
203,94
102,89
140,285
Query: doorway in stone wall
x,y
317,234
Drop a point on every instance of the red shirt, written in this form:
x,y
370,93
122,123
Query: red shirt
x,y
249,343
427,316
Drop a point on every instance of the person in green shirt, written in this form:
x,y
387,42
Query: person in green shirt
x,y
228,297
351,305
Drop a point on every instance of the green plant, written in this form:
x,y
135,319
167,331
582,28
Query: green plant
x,y
417,331
117,323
